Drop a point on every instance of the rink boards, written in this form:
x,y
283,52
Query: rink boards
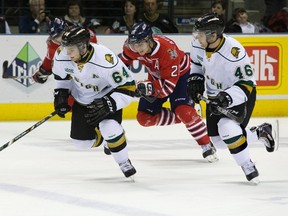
x,y
22,99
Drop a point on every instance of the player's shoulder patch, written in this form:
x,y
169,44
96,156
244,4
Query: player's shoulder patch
x,y
58,50
109,58
235,52
173,53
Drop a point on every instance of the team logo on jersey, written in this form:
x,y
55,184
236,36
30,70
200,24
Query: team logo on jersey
x,y
58,50
23,66
109,58
235,52
173,53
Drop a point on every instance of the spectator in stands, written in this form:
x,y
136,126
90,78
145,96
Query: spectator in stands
x,y
124,24
272,7
159,23
239,23
278,22
36,20
219,7
74,16
4,27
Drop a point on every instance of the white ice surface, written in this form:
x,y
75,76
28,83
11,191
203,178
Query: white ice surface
x,y
42,174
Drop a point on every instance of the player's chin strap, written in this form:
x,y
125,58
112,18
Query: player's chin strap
x,y
224,111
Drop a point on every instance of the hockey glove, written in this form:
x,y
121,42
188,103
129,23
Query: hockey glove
x,y
221,100
145,88
61,102
195,86
40,76
99,109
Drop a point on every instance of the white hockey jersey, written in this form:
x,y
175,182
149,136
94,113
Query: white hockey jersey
x,y
227,69
102,73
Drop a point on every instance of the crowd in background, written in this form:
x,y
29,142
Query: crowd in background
x,y
33,16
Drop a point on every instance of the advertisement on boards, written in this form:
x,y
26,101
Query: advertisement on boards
x,y
22,55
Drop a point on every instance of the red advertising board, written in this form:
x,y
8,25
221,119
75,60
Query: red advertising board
x,y
266,61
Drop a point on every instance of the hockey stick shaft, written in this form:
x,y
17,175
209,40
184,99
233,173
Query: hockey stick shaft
x,y
222,110
150,99
28,130
21,77
17,77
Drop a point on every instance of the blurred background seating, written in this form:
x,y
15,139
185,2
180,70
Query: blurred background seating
x,y
182,12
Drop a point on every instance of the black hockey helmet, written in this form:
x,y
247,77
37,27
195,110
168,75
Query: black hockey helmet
x,y
209,23
75,35
139,31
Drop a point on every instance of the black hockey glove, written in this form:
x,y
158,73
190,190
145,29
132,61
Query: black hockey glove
x,y
144,88
99,109
61,102
195,86
40,76
223,100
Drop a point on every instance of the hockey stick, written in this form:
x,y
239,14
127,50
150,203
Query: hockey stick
x,y
28,130
224,111
22,77
150,99
17,77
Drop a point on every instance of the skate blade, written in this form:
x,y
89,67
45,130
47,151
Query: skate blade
x,y
132,179
275,133
255,181
212,158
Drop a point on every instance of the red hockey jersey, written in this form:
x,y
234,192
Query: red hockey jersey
x,y
165,64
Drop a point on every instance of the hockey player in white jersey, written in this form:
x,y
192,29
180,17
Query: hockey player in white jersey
x,y
221,66
101,86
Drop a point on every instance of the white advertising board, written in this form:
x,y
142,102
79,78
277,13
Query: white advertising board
x,y
25,53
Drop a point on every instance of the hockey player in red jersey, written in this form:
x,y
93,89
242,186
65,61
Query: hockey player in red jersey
x,y
168,70
56,29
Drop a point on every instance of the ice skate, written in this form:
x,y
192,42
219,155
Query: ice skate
x,y
251,172
127,168
209,153
268,135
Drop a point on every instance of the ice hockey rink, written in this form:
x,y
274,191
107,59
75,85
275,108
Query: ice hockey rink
x,y
42,174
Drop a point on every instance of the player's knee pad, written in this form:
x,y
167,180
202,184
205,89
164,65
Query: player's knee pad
x,y
114,134
187,114
110,129
83,144
232,134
